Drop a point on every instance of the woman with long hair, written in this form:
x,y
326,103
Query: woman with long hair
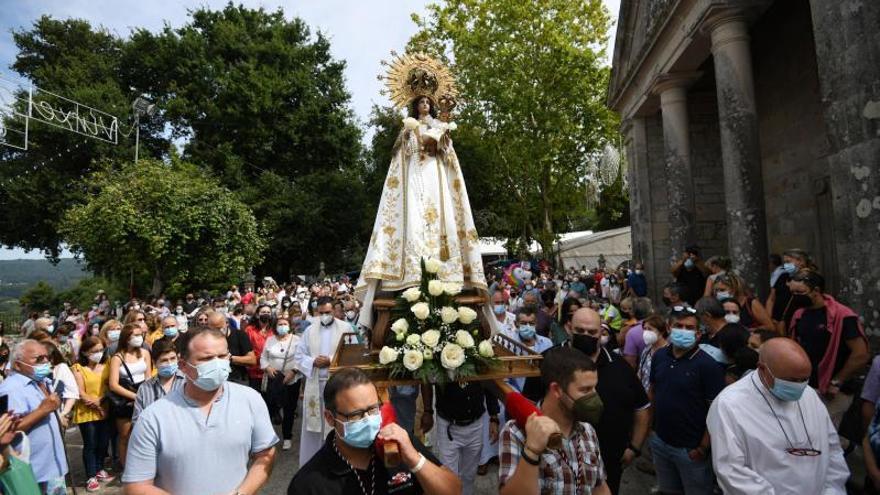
x,y
90,412
752,312
283,381
130,366
258,331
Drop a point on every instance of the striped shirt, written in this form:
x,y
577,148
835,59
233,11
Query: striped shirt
x,y
575,469
151,391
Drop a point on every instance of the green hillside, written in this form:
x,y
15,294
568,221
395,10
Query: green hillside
x,y
17,275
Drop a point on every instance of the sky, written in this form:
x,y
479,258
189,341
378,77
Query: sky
x,y
362,33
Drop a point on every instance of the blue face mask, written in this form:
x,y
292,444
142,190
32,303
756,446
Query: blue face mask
x,y
170,332
722,295
787,390
682,338
790,268
499,309
282,330
167,370
526,332
113,335
212,374
688,263
361,433
41,371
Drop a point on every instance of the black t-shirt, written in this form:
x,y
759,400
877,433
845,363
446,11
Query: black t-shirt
x,y
814,336
694,283
467,403
239,345
327,474
622,394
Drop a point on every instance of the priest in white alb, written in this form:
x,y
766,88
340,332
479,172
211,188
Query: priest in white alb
x,y
312,356
771,433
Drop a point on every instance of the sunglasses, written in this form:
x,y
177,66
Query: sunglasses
x,y
683,309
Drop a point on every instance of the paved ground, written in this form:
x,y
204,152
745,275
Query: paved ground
x,y
634,481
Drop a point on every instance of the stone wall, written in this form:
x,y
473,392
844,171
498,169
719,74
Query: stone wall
x,y
847,43
707,172
794,143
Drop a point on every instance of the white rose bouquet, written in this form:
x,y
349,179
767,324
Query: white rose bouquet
x,y
434,339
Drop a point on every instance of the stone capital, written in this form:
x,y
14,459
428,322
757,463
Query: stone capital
x,y
674,85
725,26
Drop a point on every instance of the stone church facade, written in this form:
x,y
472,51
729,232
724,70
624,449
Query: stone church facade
x,y
752,127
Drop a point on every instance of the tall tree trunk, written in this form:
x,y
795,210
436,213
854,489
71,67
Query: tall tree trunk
x,y
156,291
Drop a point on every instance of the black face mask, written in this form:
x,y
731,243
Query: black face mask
x,y
264,319
800,301
585,343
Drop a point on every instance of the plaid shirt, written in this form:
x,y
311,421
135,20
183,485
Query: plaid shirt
x,y
579,454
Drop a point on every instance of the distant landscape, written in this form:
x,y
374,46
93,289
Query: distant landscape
x,y
17,275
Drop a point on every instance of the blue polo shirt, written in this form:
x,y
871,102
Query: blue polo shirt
x,y
683,390
47,449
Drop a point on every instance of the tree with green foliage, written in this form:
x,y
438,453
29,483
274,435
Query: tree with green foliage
x,y
168,222
40,297
533,83
82,295
73,59
257,99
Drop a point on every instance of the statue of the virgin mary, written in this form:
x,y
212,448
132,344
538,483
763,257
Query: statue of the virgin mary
x,y
424,212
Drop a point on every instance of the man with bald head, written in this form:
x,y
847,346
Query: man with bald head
x,y
626,416
241,352
771,433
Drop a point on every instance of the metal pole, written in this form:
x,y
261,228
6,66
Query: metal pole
x,y
137,135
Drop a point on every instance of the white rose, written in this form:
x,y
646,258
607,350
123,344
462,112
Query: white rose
x,y
412,294
431,338
435,288
448,314
452,356
421,310
412,359
486,349
413,339
400,326
452,126
452,288
410,123
464,339
466,315
432,265
387,355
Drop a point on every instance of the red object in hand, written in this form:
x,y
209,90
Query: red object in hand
x,y
519,408
391,451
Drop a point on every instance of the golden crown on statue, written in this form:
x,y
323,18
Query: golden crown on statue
x,y
413,75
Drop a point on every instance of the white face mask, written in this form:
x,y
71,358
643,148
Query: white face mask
x,y
326,319
136,341
603,340
96,357
350,314
731,318
649,337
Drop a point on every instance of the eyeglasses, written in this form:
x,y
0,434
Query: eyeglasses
x,y
803,452
361,413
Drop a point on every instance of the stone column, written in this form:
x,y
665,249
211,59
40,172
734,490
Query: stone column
x,y
740,149
641,214
676,137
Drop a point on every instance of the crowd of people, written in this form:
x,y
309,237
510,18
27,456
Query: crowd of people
x,y
709,388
